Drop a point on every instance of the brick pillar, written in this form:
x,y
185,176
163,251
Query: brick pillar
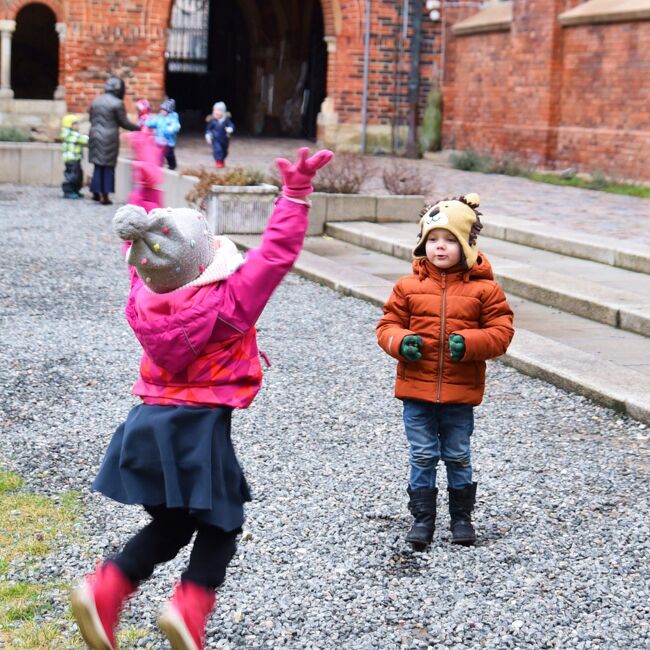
x,y
537,70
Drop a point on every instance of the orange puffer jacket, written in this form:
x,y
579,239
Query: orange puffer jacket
x,y
435,304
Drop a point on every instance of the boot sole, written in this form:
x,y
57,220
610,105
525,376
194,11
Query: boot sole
x,y
90,626
464,542
174,628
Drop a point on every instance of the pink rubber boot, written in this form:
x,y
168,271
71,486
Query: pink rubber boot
x,y
96,604
185,615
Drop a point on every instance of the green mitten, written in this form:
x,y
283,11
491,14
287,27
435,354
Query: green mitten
x,y
456,347
410,347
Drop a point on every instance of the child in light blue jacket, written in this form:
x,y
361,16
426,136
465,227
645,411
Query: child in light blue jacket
x,y
166,126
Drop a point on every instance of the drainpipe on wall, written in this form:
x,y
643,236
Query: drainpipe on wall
x,y
366,61
414,82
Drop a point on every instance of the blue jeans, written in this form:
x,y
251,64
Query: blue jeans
x,y
436,431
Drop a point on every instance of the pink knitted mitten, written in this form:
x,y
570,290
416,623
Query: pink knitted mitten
x,y
297,177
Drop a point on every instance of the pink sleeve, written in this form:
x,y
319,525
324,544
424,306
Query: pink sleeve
x,y
248,290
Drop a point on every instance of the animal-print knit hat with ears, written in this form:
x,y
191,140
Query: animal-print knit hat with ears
x,y
460,217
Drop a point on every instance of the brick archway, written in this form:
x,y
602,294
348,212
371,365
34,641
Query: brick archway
x,y
332,15
54,5
35,52
267,59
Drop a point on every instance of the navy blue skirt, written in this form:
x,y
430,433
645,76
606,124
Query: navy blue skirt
x,y
179,457
103,180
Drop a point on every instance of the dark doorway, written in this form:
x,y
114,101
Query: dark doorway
x,y
266,61
35,53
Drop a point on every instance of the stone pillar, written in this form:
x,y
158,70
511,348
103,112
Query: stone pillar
x,y
60,28
327,119
7,28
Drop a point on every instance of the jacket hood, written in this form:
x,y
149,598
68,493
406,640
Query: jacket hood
x,y
481,270
115,86
174,328
69,120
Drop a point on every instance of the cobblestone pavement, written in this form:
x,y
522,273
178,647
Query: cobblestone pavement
x,y
562,509
599,213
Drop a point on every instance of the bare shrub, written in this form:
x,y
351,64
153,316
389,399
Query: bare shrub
x,y
400,178
240,176
344,175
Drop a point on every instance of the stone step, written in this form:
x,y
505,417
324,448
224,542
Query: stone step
x,y
607,294
625,254
612,251
601,362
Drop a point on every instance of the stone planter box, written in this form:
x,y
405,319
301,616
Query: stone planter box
x,y
365,207
240,209
33,163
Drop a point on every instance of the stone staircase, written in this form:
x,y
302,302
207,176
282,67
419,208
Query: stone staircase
x,y
581,302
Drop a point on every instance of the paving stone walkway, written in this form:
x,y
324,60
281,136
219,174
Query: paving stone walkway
x,y
598,213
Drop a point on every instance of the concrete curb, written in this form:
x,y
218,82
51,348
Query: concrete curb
x,y
579,372
572,370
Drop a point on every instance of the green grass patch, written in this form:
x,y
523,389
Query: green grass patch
x,y
509,165
597,183
31,526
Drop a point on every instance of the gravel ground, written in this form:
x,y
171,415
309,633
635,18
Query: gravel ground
x,y
562,508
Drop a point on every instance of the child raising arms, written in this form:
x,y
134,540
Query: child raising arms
x,y
441,324
193,306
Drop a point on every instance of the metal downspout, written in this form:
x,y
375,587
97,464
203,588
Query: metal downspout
x,y
366,65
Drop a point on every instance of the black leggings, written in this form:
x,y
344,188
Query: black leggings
x,y
165,535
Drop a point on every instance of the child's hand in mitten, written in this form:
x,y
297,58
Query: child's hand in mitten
x,y
410,347
456,347
296,177
208,138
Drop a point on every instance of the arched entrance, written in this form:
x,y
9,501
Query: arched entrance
x,y
35,53
266,60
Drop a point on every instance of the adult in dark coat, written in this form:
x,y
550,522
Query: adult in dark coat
x,y
107,115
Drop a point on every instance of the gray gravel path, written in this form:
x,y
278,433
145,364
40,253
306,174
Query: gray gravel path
x,y
562,503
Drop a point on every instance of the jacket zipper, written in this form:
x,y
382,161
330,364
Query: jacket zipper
x,y
443,315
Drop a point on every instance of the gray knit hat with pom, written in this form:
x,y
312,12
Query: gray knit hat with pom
x,y
170,247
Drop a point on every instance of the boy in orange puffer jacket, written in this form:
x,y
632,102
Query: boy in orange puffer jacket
x,y
442,323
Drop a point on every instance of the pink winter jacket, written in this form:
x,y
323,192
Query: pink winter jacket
x,y
146,171
199,343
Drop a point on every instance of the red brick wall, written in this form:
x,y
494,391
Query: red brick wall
x,y
388,69
127,38
558,97
605,100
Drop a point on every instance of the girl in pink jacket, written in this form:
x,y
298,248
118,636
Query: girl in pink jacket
x,y
193,305
146,171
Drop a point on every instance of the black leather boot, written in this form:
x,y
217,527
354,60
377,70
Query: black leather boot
x,y
422,504
461,504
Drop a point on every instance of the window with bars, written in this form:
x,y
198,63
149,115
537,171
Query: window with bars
x,y
187,37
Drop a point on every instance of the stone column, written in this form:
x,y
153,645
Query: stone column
x,y
61,30
7,28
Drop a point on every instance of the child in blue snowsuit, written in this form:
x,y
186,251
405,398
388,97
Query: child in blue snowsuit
x,y
218,133
166,126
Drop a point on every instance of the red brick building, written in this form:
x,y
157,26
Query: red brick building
x,y
558,82
277,64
